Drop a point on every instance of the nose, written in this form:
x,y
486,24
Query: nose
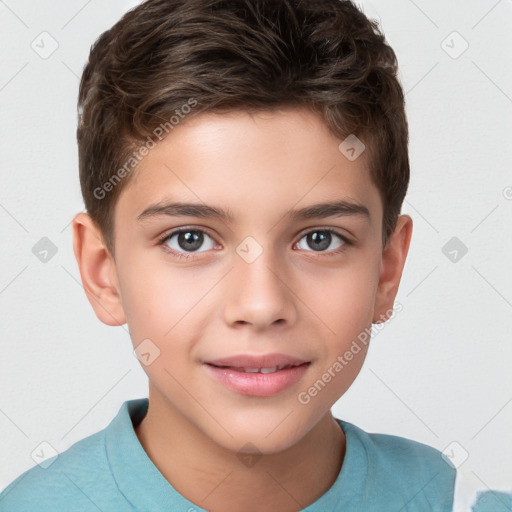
x,y
259,294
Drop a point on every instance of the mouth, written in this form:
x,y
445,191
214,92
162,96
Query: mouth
x,y
257,362
271,369
261,376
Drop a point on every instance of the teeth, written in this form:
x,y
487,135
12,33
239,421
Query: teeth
x,y
268,370
273,369
263,370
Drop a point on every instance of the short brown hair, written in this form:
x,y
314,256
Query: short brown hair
x,y
222,55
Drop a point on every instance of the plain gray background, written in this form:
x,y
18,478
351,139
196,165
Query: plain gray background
x,y
439,372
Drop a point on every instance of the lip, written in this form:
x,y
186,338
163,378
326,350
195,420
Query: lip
x,y
228,371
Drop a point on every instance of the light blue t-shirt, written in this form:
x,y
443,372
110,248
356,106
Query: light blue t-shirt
x,y
109,471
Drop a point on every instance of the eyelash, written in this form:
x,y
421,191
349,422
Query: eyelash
x,y
191,256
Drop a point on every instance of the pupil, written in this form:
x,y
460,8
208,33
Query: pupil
x,y
190,240
322,238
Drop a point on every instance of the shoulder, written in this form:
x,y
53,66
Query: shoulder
x,y
397,452
401,466
78,478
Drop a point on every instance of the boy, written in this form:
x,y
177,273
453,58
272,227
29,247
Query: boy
x,y
271,137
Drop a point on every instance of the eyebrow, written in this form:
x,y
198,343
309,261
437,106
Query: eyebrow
x,y
317,211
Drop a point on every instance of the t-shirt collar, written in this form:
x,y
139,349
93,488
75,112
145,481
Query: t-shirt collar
x,y
142,484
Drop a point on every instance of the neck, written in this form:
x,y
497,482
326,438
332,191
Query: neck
x,y
214,478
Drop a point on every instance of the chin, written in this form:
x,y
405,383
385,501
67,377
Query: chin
x,y
268,435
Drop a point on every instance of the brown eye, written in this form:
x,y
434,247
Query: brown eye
x,y
188,240
320,240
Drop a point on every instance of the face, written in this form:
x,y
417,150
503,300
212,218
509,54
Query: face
x,y
251,270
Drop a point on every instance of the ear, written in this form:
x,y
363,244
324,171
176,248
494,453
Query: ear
x,y
392,264
97,270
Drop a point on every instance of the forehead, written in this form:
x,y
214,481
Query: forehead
x,y
250,163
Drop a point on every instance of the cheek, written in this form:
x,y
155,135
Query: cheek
x,y
344,305
344,297
161,302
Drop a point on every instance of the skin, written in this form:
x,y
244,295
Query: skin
x,y
293,299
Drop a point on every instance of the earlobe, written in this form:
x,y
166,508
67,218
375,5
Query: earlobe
x,y
392,264
97,270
